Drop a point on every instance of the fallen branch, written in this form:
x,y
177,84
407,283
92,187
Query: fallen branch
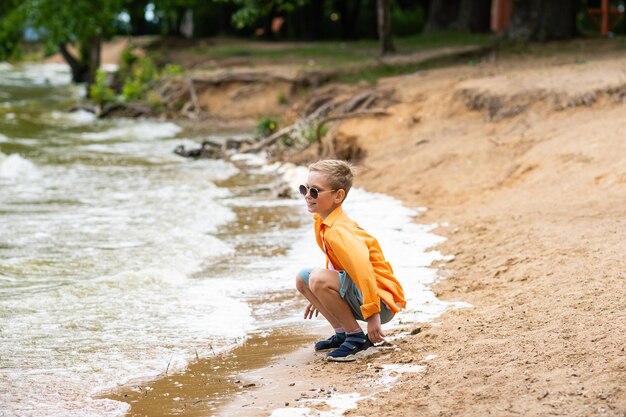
x,y
270,140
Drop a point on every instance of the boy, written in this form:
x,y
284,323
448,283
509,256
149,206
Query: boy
x,y
357,283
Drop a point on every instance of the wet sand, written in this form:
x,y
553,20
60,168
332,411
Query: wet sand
x,y
208,383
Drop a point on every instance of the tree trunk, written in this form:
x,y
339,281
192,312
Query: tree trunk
x,y
137,13
84,67
442,14
349,16
78,68
93,62
315,15
383,14
543,20
474,16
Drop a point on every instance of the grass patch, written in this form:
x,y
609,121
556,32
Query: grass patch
x,y
373,74
327,54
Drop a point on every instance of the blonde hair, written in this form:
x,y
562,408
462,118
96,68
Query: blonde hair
x,y
338,173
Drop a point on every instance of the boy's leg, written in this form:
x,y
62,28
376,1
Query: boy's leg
x,y
305,290
324,286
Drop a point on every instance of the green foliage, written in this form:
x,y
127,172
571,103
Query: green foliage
x,y
132,89
172,70
99,91
282,99
310,132
267,126
127,59
76,21
249,11
154,101
137,73
407,22
11,25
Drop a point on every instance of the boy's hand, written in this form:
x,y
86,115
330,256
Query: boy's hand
x,y
374,329
309,311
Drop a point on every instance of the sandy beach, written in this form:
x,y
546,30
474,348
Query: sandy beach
x,y
525,161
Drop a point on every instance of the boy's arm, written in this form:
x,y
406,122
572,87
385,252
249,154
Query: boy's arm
x,y
353,256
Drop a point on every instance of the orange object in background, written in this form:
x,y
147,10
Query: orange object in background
x,y
277,24
500,14
605,17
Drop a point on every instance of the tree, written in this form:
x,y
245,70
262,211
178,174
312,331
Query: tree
x,y
249,11
349,12
82,23
464,15
11,26
383,14
474,16
543,20
441,14
172,13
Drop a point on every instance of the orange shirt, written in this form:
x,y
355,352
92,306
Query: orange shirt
x,y
353,250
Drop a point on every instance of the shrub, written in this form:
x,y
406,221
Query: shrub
x,y
99,91
267,126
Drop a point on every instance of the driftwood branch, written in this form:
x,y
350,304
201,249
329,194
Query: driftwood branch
x,y
270,140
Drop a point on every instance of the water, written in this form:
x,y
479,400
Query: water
x,y
119,259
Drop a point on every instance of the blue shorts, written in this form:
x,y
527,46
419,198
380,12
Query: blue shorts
x,y
352,295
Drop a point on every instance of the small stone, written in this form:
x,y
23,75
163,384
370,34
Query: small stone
x,y
287,404
292,384
249,385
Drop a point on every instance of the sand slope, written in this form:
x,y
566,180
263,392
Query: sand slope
x,y
525,159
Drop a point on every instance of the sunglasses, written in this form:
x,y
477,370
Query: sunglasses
x,y
314,192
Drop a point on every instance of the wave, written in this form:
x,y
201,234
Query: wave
x,y
14,166
144,130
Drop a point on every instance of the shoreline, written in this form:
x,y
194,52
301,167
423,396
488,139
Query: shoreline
x,y
533,196
276,363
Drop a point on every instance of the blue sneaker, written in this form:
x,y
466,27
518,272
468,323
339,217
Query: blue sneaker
x,y
332,342
353,344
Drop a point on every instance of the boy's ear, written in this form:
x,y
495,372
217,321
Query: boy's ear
x,y
340,195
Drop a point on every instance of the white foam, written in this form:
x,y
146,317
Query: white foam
x,y
36,74
291,412
15,167
75,118
3,138
139,130
391,373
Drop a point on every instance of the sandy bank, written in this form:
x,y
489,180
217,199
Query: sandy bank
x,y
526,161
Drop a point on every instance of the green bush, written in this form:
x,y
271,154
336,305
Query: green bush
x,y
100,92
154,100
135,75
132,89
172,69
267,126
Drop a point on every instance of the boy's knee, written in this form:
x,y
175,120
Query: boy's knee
x,y
300,284
318,279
